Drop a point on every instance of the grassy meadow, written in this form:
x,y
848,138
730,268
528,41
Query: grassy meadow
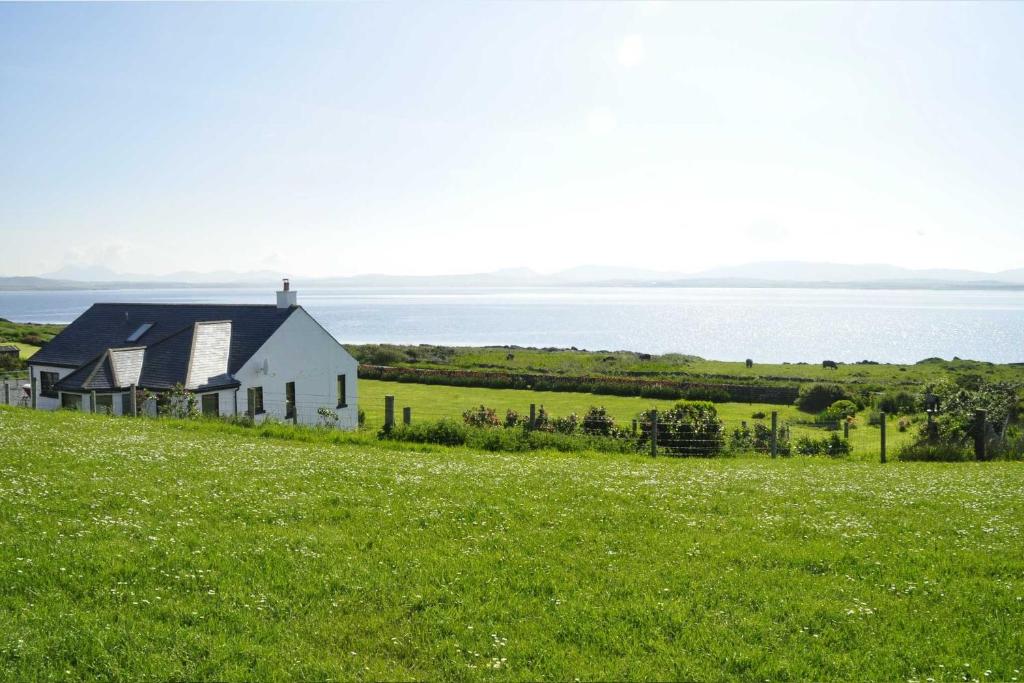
x,y
36,333
432,402
571,362
156,549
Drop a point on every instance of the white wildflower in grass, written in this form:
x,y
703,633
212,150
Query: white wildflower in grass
x,y
285,558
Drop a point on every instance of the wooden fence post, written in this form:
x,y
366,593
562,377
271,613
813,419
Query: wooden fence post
x,y
407,415
980,429
883,417
7,393
846,429
634,426
92,401
35,383
133,400
533,415
775,433
654,433
389,412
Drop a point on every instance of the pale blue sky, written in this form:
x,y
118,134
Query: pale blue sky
x,y
457,137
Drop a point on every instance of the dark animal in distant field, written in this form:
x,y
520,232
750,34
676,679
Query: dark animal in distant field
x,y
829,364
510,356
750,363
643,356
608,359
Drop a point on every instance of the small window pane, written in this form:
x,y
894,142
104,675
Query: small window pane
x,y
71,401
105,404
48,384
289,400
211,405
139,331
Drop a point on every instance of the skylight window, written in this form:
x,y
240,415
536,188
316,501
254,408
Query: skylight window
x,y
143,328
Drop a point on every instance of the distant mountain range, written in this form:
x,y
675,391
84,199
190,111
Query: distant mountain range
x,y
764,274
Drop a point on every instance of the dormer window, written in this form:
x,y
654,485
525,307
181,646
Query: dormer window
x,y
142,329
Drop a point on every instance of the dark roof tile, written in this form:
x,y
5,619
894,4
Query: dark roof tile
x,y
106,326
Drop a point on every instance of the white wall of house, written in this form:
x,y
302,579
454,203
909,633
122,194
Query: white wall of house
x,y
45,402
117,399
225,401
303,352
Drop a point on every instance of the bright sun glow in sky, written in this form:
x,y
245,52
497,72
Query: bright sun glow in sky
x,y
334,139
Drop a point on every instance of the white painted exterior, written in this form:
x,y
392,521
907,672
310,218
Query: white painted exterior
x,y
44,402
303,352
299,351
226,402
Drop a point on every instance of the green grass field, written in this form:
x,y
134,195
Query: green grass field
x,y
624,363
432,402
14,332
139,549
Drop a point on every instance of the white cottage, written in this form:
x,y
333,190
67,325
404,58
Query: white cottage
x,y
261,360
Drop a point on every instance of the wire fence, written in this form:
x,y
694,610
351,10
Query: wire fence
x,y
697,432
656,432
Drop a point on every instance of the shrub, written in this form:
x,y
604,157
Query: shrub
x,y
1009,447
326,417
481,417
954,427
713,394
512,419
689,428
380,355
759,439
566,425
934,452
32,339
177,402
446,432
832,446
598,422
759,415
814,398
898,402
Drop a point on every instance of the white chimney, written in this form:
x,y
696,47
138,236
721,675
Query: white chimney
x,y
286,297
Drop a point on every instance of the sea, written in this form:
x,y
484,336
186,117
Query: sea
x,y
771,325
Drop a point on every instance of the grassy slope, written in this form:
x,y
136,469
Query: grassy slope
x,y
568,362
12,332
431,402
141,549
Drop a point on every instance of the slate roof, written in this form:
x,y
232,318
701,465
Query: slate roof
x,y
169,347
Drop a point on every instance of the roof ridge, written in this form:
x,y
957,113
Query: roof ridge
x,y
162,303
170,336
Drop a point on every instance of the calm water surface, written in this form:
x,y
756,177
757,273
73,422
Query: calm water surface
x,y
768,325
